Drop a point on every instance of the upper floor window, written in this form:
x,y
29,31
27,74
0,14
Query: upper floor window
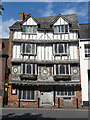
x,y
62,69
29,29
61,48
60,29
29,69
87,50
29,48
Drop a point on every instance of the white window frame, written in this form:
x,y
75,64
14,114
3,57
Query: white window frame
x,y
59,69
87,50
21,99
57,30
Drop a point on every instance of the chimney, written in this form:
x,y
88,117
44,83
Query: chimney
x,y
25,15
21,16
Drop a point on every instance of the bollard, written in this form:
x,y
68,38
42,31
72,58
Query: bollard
x,y
77,102
38,102
58,102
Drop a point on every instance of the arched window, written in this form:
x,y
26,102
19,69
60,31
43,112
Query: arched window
x,y
28,48
62,69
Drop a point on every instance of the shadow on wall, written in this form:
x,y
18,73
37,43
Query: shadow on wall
x,y
28,116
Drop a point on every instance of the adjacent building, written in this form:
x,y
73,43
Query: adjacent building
x,y
44,60
4,70
84,44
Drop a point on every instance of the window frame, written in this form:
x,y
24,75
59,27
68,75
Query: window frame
x,y
32,100
65,92
69,71
58,28
31,28
87,50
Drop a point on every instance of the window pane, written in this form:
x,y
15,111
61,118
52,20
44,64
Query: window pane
x,y
28,94
24,28
28,48
55,48
66,28
33,48
58,93
23,68
69,91
60,48
24,94
28,69
55,29
32,95
33,68
27,29
23,48
65,48
66,91
31,29
62,69
56,69
34,29
62,28
67,69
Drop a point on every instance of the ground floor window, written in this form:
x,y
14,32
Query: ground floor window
x,y
26,94
65,91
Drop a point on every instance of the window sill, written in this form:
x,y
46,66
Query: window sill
x,y
61,54
65,96
27,100
61,33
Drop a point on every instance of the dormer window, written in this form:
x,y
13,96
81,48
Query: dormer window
x,y
29,29
61,29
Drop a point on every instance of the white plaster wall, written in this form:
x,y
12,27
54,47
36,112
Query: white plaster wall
x,y
84,66
30,21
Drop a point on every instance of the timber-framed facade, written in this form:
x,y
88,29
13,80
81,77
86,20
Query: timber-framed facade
x,y
44,56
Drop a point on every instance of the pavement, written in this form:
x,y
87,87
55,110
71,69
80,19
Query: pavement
x,y
44,114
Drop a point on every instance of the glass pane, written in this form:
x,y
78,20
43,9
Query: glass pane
x,y
33,68
62,28
56,69
23,48
60,48
69,91
23,68
66,28
28,69
28,48
28,94
27,29
33,48
67,69
55,48
24,94
24,28
31,29
58,93
65,48
55,29
62,69
32,95
66,91
34,29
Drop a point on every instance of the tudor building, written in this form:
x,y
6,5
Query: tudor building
x,y
44,56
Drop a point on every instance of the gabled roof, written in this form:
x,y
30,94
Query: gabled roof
x,y
63,17
45,22
28,18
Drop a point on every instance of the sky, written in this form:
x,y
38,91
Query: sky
x,y
40,9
